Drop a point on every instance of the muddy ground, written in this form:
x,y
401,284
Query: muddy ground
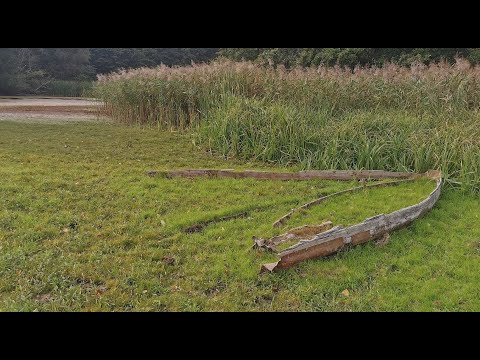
x,y
56,110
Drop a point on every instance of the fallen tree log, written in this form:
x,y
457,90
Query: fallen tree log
x,y
271,175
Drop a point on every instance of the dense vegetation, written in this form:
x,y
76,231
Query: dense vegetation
x,y
41,70
106,60
349,56
71,71
392,117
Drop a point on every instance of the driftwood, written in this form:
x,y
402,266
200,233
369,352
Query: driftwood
x,y
337,238
315,241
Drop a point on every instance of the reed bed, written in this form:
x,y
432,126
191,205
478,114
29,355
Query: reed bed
x,y
393,118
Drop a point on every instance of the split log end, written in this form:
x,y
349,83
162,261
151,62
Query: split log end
x,y
269,267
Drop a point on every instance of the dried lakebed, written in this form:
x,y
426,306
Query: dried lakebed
x,y
49,110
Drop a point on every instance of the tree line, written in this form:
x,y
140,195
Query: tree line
x,y
349,57
35,70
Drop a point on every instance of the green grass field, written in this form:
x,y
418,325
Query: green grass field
x,y
83,228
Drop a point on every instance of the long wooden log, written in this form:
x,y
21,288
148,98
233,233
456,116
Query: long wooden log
x,y
301,175
335,239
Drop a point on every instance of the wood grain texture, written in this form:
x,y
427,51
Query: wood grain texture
x,y
301,175
299,233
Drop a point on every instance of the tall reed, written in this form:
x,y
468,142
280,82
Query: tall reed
x,y
392,118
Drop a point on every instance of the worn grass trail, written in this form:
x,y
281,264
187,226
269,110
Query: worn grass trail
x,y
83,228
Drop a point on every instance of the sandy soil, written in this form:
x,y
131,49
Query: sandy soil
x,y
56,110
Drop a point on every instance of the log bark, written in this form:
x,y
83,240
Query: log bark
x,y
301,175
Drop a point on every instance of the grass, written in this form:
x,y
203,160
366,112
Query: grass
x,y
83,228
391,118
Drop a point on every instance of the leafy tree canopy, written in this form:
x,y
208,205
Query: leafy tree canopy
x,y
348,56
